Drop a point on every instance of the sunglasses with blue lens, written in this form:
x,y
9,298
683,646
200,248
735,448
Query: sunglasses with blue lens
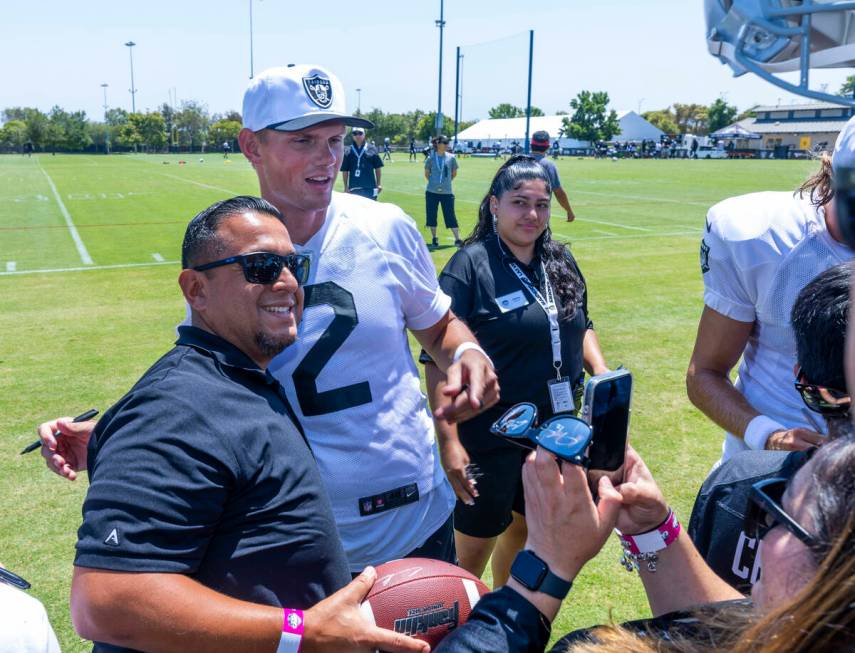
x,y
564,436
765,512
265,267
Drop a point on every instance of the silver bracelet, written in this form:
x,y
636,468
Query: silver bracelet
x,y
632,561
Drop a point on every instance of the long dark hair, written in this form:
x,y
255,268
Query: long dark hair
x,y
565,280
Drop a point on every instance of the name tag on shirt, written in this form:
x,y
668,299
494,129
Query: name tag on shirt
x,y
511,301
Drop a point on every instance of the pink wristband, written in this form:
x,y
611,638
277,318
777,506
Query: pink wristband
x,y
655,540
292,631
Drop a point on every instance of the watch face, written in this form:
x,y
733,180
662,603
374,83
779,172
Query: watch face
x,y
529,570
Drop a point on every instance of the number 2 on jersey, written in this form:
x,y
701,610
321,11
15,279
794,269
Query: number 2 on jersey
x,y
313,402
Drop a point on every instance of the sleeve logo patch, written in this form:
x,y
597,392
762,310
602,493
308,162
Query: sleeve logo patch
x,y
705,257
112,538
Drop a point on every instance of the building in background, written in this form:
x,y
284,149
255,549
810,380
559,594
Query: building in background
x,y
507,131
794,128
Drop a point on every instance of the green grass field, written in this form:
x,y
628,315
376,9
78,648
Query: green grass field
x,y
75,335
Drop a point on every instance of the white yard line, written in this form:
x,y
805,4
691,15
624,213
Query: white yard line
x,y
640,198
616,224
200,184
684,234
157,257
11,266
605,233
93,267
75,236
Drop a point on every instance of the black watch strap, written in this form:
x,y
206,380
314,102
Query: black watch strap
x,y
533,573
555,586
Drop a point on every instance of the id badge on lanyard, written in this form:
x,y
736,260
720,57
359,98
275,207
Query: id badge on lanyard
x,y
560,390
358,155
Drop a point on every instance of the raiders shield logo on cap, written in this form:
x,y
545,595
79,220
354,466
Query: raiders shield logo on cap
x,y
319,90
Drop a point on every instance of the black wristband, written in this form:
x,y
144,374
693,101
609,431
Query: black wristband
x,y
534,574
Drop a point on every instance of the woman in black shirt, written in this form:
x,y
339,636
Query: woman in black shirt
x,y
520,292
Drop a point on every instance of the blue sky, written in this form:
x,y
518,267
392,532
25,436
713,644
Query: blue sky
x,y
644,54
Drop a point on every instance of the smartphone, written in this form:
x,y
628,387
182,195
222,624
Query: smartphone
x,y
606,406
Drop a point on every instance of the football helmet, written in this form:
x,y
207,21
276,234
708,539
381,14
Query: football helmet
x,y
769,37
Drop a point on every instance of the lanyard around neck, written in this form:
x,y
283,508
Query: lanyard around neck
x,y
440,168
547,303
358,155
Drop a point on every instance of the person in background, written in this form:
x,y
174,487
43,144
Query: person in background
x,y
440,170
360,168
539,147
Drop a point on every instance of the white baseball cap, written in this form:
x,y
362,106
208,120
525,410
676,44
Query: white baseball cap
x,y
294,97
844,148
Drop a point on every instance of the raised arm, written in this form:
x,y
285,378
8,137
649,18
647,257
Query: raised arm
x,y
718,346
682,579
453,454
472,383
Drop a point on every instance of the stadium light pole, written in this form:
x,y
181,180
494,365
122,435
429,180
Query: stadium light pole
x,y
107,130
440,24
104,86
359,101
251,70
456,95
527,149
130,45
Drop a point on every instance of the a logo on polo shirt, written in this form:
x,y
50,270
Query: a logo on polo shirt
x,y
112,538
319,90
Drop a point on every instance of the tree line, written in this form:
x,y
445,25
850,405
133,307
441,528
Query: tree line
x,y
189,126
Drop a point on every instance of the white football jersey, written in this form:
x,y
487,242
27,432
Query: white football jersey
x,y
24,625
758,252
353,382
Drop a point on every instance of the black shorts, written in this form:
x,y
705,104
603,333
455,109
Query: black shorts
x,y
432,203
500,492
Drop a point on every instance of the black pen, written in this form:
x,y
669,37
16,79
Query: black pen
x,y
89,414
13,579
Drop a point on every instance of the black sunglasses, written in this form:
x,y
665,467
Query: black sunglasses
x,y
765,511
564,436
265,267
823,400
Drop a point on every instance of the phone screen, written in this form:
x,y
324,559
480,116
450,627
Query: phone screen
x,y
610,422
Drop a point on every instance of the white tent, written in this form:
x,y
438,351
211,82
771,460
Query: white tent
x,y
507,130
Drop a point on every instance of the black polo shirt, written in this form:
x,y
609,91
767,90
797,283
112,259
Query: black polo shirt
x,y
202,470
365,164
478,279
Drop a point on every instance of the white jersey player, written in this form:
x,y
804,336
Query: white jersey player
x,y
352,378
758,252
353,383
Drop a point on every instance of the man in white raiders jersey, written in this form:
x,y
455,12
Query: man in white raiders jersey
x,y
758,252
351,377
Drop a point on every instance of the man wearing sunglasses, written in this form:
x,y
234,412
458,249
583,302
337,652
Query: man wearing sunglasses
x,y
206,526
350,377
819,319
